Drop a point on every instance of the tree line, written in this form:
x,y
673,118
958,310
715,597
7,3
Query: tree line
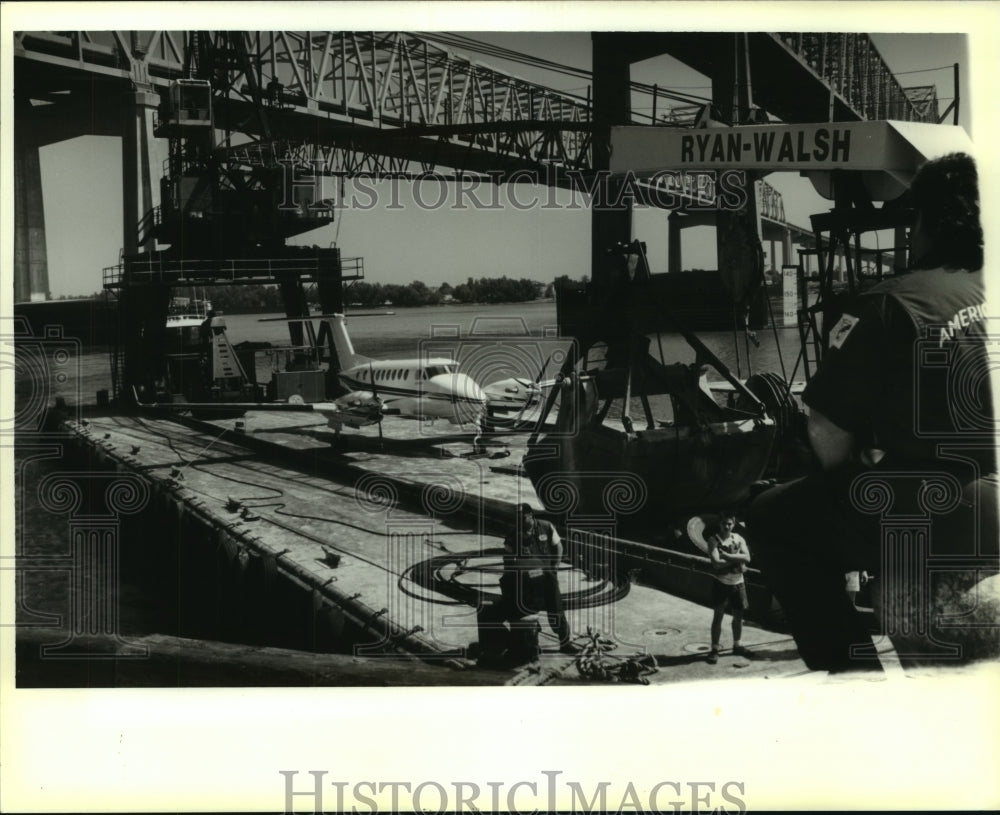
x,y
258,298
474,290
264,298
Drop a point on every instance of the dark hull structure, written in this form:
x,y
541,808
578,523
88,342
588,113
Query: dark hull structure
x,y
697,298
643,478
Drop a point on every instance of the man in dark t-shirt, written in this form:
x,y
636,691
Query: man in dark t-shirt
x,y
889,374
903,428
533,550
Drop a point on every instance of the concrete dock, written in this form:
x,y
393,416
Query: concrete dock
x,y
383,546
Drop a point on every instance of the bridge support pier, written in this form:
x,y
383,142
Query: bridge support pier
x,y
31,268
786,248
674,262
900,259
676,222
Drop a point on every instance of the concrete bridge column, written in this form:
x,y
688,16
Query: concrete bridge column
x,y
674,257
140,169
677,222
786,248
31,268
900,255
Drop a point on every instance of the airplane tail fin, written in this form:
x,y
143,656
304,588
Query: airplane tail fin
x,y
342,343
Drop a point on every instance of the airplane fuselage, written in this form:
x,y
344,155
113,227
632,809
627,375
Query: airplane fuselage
x,y
423,388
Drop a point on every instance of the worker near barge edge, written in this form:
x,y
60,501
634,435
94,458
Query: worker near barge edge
x,y
902,423
532,552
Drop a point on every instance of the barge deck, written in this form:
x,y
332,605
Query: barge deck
x,y
316,542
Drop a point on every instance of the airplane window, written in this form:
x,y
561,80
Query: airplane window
x,y
406,374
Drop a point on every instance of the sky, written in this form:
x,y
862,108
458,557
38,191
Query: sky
x,y
82,188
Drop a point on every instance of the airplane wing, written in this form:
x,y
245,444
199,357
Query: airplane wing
x,y
355,409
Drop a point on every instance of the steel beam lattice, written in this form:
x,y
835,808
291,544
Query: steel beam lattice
x,y
391,82
852,67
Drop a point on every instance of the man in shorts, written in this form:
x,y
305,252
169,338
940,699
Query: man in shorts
x,y
533,552
730,555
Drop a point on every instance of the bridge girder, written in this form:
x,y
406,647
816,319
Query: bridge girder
x,y
361,84
798,77
396,102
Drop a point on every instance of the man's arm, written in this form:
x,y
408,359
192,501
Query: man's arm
x,y
832,445
843,395
556,544
740,556
715,554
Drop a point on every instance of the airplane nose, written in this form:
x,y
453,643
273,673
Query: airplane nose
x,y
470,400
468,388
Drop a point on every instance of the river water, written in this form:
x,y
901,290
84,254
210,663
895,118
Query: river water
x,y
410,332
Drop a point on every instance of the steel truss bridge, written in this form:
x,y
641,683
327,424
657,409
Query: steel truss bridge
x,y
396,100
399,103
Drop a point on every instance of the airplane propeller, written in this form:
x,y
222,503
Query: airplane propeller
x,y
538,379
529,387
371,376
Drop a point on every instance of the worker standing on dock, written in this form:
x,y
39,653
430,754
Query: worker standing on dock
x,y
902,422
730,556
534,551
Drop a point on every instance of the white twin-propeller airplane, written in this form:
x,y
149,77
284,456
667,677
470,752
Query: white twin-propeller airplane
x,y
429,388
